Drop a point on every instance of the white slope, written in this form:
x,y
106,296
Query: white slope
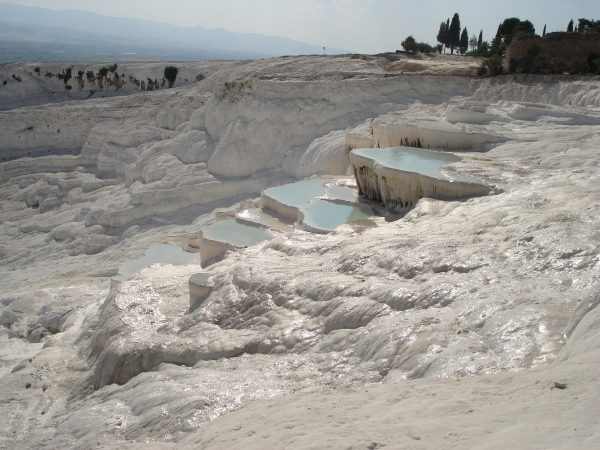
x,y
369,327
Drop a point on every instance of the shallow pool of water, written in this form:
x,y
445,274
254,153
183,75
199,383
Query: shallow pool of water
x,y
257,216
236,233
157,253
297,194
417,160
328,215
342,193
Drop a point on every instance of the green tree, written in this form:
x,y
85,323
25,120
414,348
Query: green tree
x,y
442,36
473,43
480,41
506,32
454,33
483,49
586,25
171,74
103,72
424,47
409,45
464,41
570,26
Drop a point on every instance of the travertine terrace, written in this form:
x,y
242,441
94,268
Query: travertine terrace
x,y
452,324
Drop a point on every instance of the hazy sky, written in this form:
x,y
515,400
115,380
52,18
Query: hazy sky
x,y
366,26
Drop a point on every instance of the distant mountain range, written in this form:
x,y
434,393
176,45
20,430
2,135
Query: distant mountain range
x,y
31,33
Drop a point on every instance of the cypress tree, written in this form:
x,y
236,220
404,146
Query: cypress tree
x,y
442,36
570,26
480,39
464,41
454,33
544,32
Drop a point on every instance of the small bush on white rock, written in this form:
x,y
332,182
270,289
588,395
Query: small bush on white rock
x,y
171,74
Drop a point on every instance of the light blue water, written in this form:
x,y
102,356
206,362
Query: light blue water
x,y
417,160
297,194
158,253
236,233
342,193
328,215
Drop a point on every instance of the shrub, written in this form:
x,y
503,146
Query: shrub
x,y
597,64
171,74
410,45
534,50
4,83
527,64
592,59
37,70
513,65
423,47
578,65
542,65
493,64
112,68
90,75
67,75
558,65
80,74
103,72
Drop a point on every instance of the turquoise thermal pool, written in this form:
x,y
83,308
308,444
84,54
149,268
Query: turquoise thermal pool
x,y
426,162
297,194
258,217
235,233
328,216
320,207
342,193
300,193
157,253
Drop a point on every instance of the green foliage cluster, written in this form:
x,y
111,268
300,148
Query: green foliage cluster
x,y
586,25
493,66
171,74
103,72
411,46
578,65
112,68
449,34
37,70
506,32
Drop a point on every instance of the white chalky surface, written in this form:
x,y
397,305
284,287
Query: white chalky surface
x,y
446,328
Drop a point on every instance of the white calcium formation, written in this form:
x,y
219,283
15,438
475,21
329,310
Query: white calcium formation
x,y
446,324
